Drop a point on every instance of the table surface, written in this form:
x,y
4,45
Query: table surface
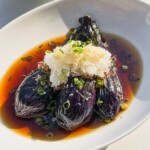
x,y
138,139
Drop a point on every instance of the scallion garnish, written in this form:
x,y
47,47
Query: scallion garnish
x,y
99,82
63,74
79,82
61,51
46,126
65,71
38,120
78,50
44,76
69,41
51,105
43,82
49,135
99,102
66,105
48,51
40,91
76,44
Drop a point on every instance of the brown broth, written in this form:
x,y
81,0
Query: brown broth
x,y
126,54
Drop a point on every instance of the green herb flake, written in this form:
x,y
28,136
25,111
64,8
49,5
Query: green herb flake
x,y
43,82
99,102
48,51
46,126
124,67
51,105
69,41
63,74
79,82
99,82
77,44
49,135
44,76
40,91
61,51
38,120
65,71
78,50
66,105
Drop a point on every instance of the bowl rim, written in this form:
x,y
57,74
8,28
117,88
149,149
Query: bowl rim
x,y
36,9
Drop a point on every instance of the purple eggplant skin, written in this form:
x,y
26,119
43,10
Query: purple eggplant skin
x,y
107,105
80,102
108,98
33,95
88,30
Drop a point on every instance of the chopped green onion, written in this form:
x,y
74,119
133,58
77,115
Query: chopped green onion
x,y
46,126
49,135
41,91
44,76
64,71
79,83
63,74
76,44
51,105
38,120
124,67
78,50
66,105
99,82
69,41
99,102
61,51
48,51
43,82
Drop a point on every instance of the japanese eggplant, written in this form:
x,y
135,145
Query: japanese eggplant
x,y
33,95
79,97
75,103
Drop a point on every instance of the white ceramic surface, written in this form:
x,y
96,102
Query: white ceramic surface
x,y
130,19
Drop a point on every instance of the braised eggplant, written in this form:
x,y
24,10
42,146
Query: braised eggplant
x,y
33,94
87,31
73,105
107,102
76,101
111,94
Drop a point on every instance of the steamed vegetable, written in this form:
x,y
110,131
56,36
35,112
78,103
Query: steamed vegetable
x,y
33,94
108,98
78,65
75,103
88,31
107,105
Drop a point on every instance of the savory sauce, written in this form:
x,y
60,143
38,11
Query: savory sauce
x,y
129,70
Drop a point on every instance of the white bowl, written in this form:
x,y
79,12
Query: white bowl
x,y
130,19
